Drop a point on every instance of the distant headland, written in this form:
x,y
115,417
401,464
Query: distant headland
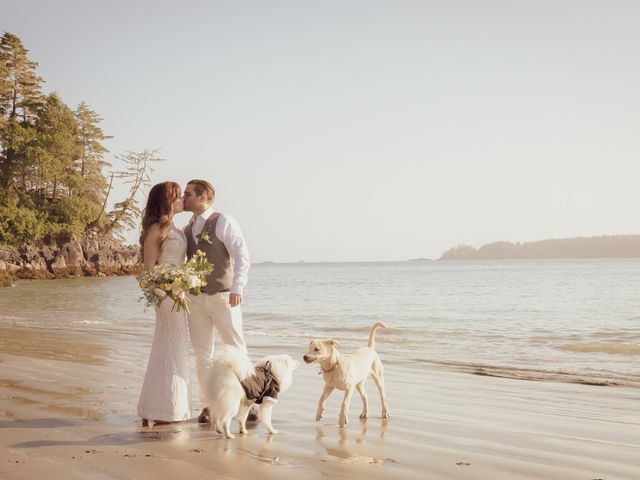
x,y
605,246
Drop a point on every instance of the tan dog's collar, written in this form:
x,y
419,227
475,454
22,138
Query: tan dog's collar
x,y
330,370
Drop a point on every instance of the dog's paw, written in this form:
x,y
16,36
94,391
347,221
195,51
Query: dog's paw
x,y
386,414
231,436
273,431
343,421
364,415
318,416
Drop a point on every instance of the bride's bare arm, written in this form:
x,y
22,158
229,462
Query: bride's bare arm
x,y
152,247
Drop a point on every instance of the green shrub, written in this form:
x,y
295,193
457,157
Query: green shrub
x,y
19,225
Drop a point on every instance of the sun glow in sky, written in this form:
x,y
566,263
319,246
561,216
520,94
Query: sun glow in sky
x,y
365,130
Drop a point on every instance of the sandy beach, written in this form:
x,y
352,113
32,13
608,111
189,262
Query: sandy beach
x,y
67,405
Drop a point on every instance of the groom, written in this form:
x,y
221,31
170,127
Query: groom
x,y
218,307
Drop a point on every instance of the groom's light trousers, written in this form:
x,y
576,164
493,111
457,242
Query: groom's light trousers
x,y
211,313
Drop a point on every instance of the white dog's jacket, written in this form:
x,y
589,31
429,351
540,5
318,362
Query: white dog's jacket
x,y
262,385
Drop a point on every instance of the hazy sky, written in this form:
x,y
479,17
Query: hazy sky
x,y
366,130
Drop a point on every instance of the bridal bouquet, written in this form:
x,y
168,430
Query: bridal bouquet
x,y
174,282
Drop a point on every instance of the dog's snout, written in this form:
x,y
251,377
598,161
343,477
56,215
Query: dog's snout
x,y
306,359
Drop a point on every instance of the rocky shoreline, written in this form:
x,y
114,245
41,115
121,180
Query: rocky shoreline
x,y
86,257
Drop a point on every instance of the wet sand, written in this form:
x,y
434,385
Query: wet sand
x,y
67,410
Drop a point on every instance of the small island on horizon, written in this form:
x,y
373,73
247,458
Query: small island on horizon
x,y
605,246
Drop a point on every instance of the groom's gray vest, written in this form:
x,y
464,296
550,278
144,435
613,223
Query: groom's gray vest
x,y
221,278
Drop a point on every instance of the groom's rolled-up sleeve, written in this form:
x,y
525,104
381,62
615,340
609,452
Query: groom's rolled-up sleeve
x,y
228,232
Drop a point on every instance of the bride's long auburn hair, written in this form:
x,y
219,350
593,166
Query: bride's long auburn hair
x,y
159,210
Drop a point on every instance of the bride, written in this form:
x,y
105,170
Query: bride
x,y
166,391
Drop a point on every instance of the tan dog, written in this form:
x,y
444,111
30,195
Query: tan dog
x,y
348,372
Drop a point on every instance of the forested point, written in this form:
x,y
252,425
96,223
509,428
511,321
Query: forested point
x,y
606,246
54,179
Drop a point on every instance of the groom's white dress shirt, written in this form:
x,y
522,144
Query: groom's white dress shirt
x,y
211,313
229,233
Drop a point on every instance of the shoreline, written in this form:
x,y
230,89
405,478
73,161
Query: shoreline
x,y
521,374
70,407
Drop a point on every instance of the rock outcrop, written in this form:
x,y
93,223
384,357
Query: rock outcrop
x,y
78,257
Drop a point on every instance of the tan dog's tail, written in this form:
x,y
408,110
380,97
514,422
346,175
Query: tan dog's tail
x,y
372,335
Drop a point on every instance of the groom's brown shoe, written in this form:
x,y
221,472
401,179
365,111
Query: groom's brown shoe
x,y
253,414
204,416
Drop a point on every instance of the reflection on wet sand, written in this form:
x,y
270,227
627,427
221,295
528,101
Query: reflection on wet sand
x,y
53,345
354,451
68,410
46,386
55,389
41,423
106,440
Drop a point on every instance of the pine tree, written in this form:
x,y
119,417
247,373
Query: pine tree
x,y
56,151
59,186
91,160
20,99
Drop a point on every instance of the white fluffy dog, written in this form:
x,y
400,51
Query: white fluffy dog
x,y
348,372
235,384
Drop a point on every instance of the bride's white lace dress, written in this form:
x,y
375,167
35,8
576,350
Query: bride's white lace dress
x,y
166,391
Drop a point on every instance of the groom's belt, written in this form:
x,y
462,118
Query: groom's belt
x,y
226,290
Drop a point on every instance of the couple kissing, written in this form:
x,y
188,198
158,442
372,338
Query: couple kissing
x,y
166,390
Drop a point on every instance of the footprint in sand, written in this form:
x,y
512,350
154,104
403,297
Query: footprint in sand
x,y
462,464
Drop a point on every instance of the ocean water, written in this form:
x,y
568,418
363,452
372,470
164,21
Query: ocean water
x,y
553,320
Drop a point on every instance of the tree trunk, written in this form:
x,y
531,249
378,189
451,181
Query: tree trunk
x,y
7,168
84,157
104,204
14,103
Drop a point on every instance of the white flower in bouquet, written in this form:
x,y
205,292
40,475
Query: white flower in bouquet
x,y
174,282
193,281
176,286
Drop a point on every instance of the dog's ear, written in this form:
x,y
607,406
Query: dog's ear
x,y
267,366
334,343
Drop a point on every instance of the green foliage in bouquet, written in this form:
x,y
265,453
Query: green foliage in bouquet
x,y
175,282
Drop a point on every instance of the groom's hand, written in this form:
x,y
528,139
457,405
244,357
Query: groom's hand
x,y
235,299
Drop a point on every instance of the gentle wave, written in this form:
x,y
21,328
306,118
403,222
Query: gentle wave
x,y
335,335
367,321
522,373
617,335
609,348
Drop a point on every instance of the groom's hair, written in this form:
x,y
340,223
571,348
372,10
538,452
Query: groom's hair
x,y
202,186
